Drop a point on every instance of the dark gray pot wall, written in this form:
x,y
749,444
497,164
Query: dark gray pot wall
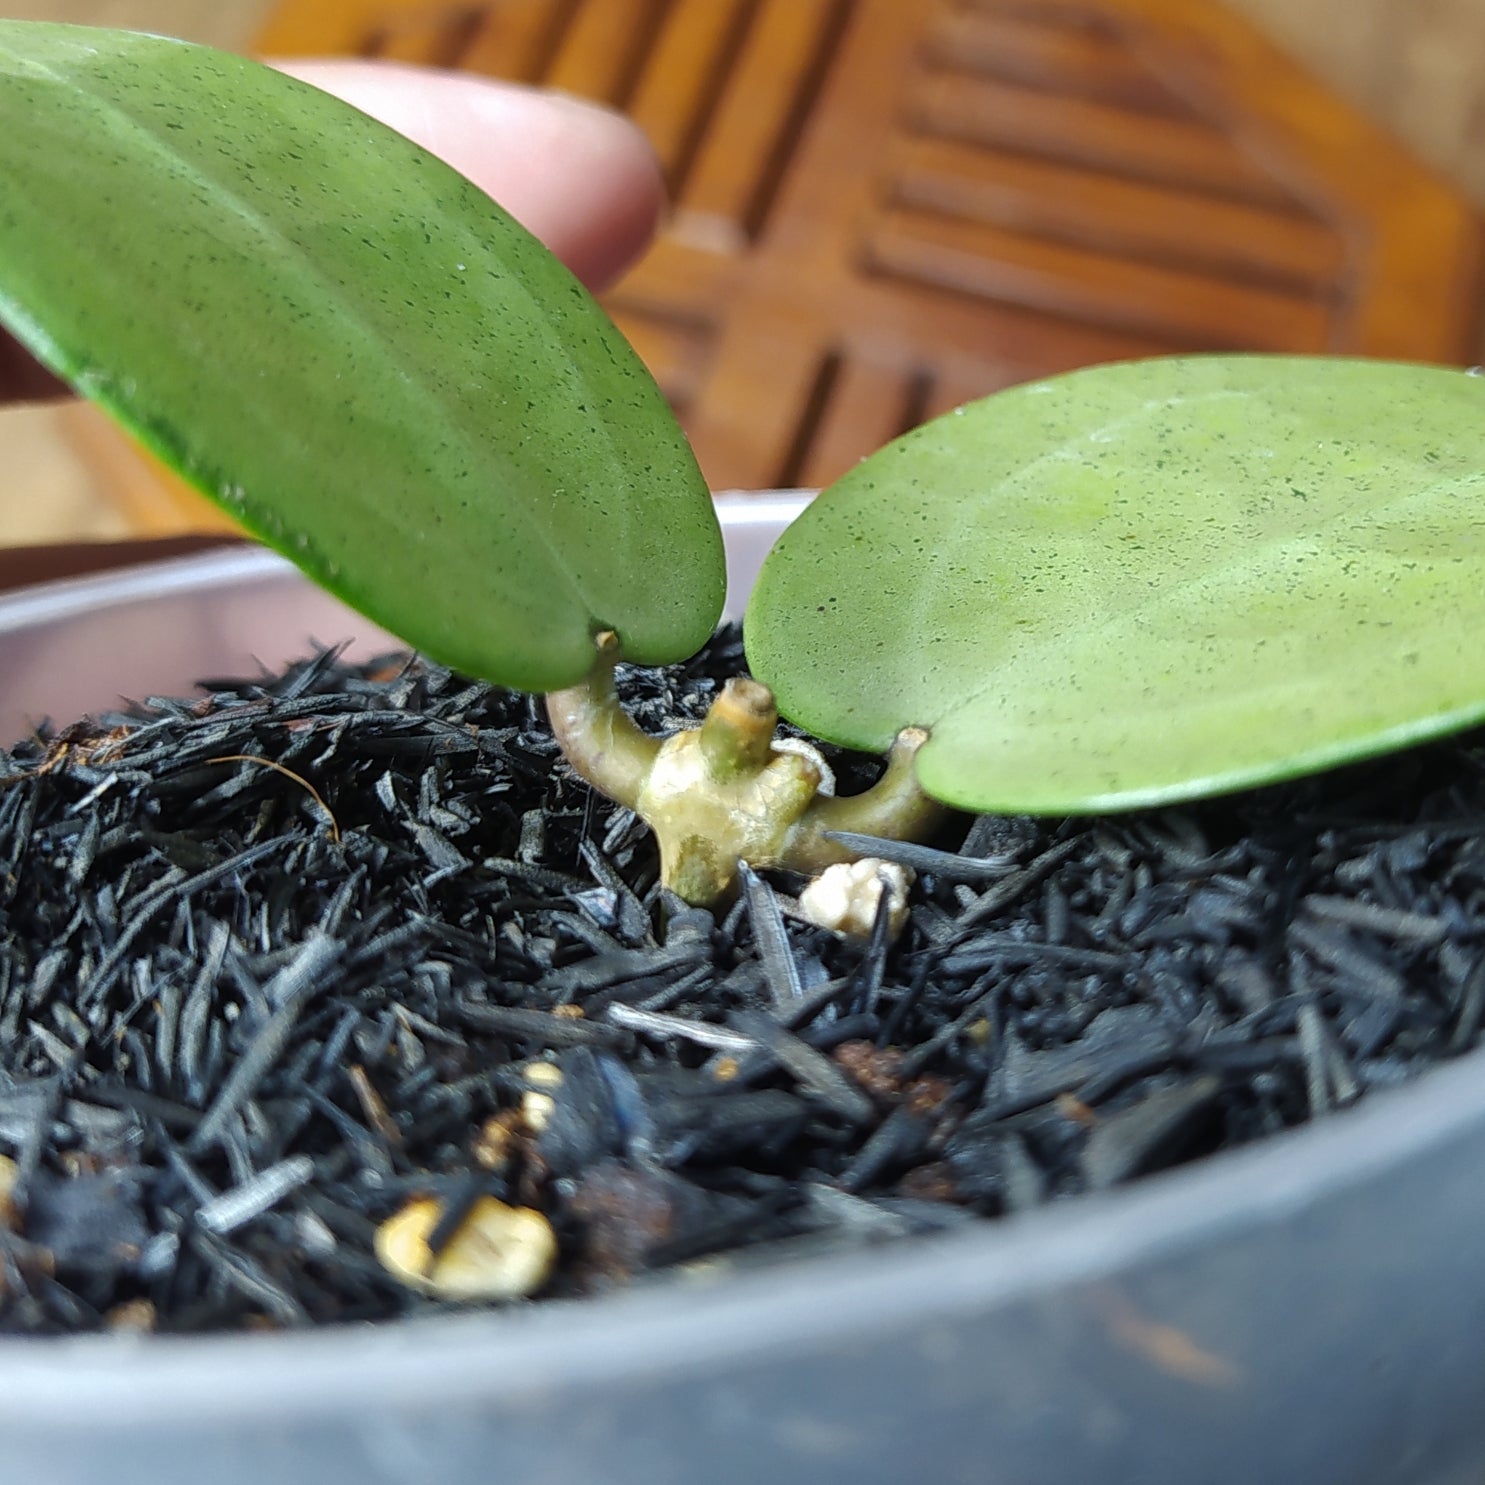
x,y
1311,1310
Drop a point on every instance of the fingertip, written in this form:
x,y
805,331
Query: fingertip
x,y
605,214
581,177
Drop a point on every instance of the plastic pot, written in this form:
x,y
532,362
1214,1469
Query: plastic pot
x,y
1310,1309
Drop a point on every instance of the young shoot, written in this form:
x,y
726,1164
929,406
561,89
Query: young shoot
x,y
1125,586
724,793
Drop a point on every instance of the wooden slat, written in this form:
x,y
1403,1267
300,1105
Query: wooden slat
x,y
1162,223
1414,64
154,500
1074,181
435,39
688,283
924,327
1052,55
513,39
985,261
1417,289
331,27
829,180
680,74
1353,43
51,491
757,109
745,424
601,47
865,408
955,384
1016,341
1093,135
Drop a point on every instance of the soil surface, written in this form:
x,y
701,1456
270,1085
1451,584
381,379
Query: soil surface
x,y
303,952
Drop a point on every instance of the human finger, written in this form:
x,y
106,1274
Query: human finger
x,y
581,178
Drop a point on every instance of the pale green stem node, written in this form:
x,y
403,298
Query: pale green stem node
x,y
737,733
723,793
894,808
597,735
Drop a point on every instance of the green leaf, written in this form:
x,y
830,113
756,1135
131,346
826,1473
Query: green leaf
x,y
352,349
1146,582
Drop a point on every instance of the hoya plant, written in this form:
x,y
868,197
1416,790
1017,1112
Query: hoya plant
x,y
1130,585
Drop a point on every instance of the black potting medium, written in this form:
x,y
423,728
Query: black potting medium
x,y
278,959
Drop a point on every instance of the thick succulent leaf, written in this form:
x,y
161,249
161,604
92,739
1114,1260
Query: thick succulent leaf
x,y
1146,582
351,348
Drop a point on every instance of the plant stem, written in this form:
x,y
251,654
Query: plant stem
x,y
737,732
894,807
597,735
722,793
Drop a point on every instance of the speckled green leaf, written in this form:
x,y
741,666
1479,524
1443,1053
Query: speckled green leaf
x,y
1146,582
352,349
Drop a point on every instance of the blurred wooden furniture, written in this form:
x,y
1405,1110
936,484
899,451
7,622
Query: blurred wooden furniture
x,y
886,207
